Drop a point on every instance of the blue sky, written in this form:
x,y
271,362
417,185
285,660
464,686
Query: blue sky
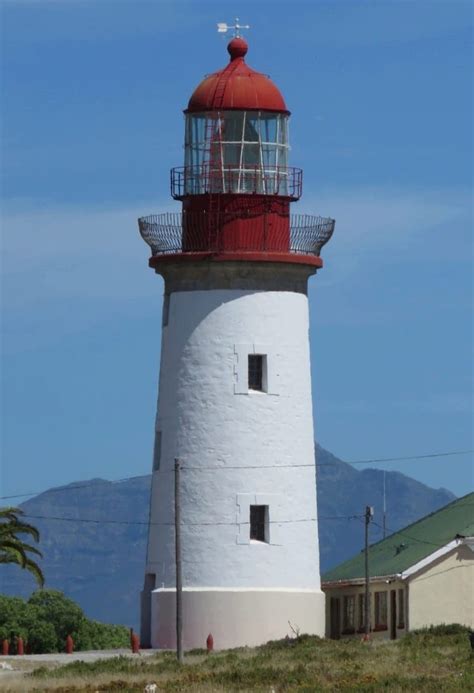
x,y
93,92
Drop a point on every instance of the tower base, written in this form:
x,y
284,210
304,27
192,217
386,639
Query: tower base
x,y
235,617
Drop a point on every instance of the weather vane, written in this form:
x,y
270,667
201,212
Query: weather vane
x,y
223,28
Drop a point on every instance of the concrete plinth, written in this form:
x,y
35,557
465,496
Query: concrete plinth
x,y
235,617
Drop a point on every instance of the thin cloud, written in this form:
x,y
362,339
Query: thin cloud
x,y
51,250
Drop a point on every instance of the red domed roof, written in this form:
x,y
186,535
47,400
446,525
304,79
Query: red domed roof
x,y
237,87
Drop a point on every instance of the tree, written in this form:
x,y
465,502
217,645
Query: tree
x,y
12,548
48,617
54,607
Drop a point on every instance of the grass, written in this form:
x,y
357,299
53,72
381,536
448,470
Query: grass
x,y
436,660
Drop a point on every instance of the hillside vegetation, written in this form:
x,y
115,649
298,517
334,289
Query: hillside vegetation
x,y
439,659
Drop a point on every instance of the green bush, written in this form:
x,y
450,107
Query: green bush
x,y
54,607
48,617
42,638
100,636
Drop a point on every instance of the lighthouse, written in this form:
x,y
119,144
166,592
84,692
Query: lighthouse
x,y
234,402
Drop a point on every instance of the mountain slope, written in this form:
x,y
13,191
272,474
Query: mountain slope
x,y
101,565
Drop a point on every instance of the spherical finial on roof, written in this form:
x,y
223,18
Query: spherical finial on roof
x,y
237,48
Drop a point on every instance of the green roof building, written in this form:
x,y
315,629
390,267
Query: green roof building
x,y
421,575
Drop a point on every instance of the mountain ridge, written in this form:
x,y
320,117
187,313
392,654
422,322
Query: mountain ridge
x,y
100,562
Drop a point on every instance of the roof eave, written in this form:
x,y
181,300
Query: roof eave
x,y
408,572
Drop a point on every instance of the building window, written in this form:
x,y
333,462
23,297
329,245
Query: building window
x,y
166,311
401,608
361,605
157,451
259,523
348,618
257,372
380,610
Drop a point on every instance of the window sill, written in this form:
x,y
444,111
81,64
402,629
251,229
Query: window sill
x,y
260,543
379,628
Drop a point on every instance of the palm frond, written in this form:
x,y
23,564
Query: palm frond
x,y
17,527
12,548
35,570
12,551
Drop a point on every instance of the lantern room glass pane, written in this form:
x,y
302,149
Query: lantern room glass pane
x,y
236,152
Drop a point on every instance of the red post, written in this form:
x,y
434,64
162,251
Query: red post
x,y
135,643
5,647
20,648
69,645
210,643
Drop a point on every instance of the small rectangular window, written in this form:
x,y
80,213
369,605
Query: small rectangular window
x,y
401,608
259,523
166,311
257,372
348,620
157,451
380,610
361,620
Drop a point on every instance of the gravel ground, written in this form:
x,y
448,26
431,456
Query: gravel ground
x,y
63,658
21,665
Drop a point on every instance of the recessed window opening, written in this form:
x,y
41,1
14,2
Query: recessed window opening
x,y
348,614
157,451
401,608
259,523
381,609
257,372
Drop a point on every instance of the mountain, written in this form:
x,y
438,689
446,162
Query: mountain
x,y
100,565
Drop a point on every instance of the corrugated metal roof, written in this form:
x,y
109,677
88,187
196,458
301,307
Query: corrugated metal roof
x,y
406,547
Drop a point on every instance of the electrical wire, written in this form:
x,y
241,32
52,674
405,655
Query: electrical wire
x,y
185,524
185,468
406,536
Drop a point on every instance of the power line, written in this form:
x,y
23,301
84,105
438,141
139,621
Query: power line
x,y
407,536
413,457
75,487
331,464
187,524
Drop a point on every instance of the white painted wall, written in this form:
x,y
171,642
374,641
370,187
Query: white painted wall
x,y
236,617
208,418
443,591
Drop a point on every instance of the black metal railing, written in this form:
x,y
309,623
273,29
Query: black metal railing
x,y
190,232
233,179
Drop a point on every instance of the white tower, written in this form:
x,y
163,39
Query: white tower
x,y
234,399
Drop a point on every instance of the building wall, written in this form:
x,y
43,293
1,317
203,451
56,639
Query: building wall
x,y
378,630
443,592
207,418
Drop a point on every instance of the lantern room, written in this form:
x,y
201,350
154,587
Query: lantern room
x,y
237,152
236,135
236,184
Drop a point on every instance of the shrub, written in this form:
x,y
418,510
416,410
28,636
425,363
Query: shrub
x,y
55,608
100,636
42,638
48,617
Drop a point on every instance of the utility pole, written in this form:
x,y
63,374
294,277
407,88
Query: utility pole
x,y
179,577
369,512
